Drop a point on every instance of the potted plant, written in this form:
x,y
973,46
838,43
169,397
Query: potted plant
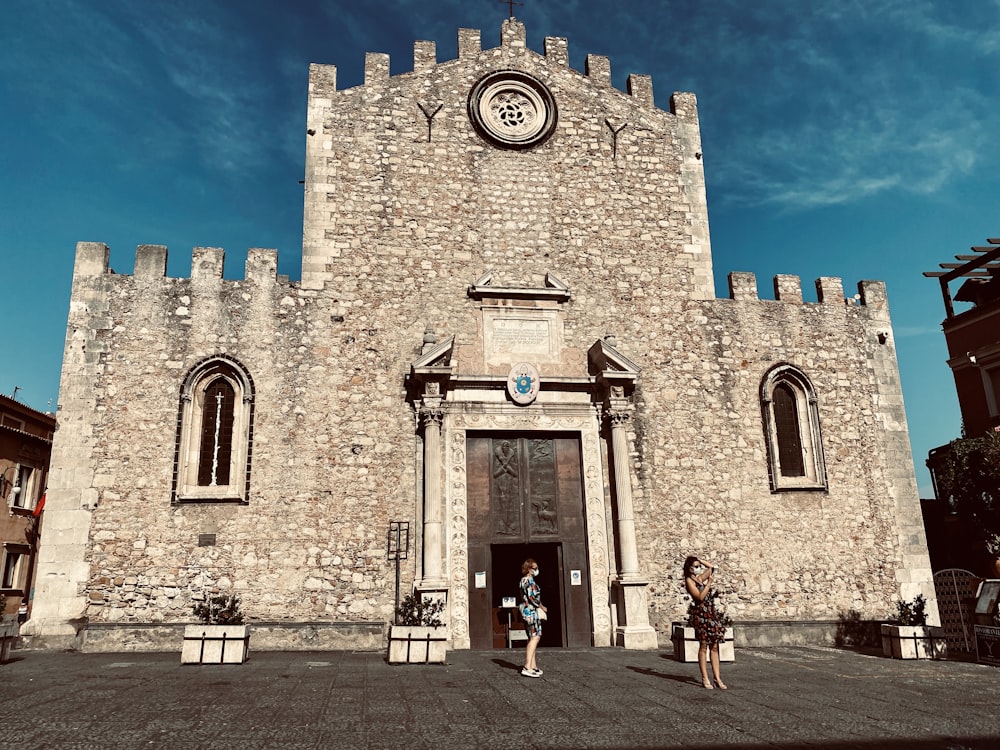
x,y
419,636
908,636
222,638
686,644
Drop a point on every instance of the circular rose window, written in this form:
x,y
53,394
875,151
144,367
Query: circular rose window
x,y
512,109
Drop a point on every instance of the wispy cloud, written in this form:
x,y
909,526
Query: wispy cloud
x,y
805,106
917,332
186,101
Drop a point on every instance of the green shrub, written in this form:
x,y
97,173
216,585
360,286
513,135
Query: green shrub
x,y
414,610
221,609
911,613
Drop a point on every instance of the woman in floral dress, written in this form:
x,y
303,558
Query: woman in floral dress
x,y
531,604
708,623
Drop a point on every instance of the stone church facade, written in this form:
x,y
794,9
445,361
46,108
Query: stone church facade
x,y
507,340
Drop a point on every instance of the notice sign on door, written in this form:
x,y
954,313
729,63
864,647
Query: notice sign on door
x,y
480,579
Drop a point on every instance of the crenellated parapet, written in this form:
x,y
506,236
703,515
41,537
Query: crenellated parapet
x,y
207,263
555,51
788,289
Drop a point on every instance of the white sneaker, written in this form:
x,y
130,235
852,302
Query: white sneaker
x,y
530,672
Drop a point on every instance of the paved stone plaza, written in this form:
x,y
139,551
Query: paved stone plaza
x,y
781,698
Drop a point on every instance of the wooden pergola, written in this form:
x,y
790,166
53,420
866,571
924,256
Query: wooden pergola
x,y
985,265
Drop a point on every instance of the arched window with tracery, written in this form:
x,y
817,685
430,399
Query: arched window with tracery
x,y
214,433
791,430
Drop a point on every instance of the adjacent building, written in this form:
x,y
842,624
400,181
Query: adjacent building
x,y
25,449
966,472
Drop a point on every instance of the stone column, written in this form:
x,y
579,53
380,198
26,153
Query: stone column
x,y
432,416
634,630
629,563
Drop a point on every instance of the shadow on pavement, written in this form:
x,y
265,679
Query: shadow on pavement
x,y
687,679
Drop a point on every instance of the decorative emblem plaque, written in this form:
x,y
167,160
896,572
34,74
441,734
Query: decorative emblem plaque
x,y
522,383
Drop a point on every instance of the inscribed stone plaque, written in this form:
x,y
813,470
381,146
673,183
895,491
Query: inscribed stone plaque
x,y
535,336
513,335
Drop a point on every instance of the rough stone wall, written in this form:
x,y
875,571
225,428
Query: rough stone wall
x,y
790,555
385,205
402,213
310,544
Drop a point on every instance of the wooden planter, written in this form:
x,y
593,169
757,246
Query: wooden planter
x,y
9,631
215,644
686,646
417,644
914,642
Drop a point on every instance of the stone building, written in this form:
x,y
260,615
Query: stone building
x,y
506,337
25,449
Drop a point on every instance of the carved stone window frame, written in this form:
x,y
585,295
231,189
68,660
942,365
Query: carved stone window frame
x,y
809,434
189,424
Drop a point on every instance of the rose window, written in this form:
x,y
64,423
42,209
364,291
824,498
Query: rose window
x,y
512,109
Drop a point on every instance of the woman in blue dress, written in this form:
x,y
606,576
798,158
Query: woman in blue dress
x,y
709,628
531,605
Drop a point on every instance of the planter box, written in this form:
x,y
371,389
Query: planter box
x,y
914,642
686,646
9,630
417,644
215,644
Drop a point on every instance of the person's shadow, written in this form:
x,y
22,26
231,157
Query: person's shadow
x,y
665,675
504,664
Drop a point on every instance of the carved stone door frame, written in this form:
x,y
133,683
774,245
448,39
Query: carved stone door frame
x,y
460,419
448,404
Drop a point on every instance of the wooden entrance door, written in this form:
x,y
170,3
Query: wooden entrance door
x,y
525,493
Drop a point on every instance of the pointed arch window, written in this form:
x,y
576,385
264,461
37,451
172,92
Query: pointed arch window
x,y
214,433
791,429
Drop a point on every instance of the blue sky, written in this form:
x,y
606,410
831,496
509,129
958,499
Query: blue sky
x,y
841,138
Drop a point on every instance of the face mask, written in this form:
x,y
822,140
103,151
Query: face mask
x,y
536,572
697,570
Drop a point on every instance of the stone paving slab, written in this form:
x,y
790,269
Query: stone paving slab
x,y
783,698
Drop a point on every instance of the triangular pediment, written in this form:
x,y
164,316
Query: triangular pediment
x,y
607,361
554,289
438,357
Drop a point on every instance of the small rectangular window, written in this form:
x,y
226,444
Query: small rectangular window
x,y
24,487
13,557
